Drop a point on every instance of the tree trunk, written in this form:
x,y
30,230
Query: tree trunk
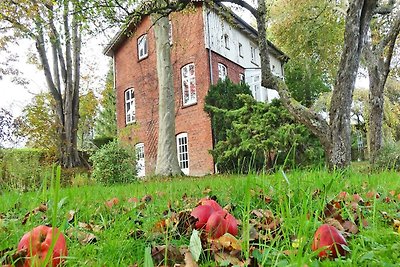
x,y
379,57
67,105
167,159
376,101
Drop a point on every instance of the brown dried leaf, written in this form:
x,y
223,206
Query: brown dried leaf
x,y
226,242
332,210
110,203
41,208
133,200
146,199
334,223
173,255
12,257
71,216
83,237
227,259
207,191
350,227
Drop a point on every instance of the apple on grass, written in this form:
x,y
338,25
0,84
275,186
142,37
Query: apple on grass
x,y
217,224
202,213
40,241
330,240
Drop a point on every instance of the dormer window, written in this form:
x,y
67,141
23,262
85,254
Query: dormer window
x,y
142,47
226,41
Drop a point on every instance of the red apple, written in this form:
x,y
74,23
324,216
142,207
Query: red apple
x,y
217,224
202,213
232,224
210,202
329,238
38,244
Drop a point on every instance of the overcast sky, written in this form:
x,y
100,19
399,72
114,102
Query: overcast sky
x,y
15,97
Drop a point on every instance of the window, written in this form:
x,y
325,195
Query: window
x,y
142,46
130,106
222,71
140,163
240,50
170,32
189,84
183,152
226,41
242,78
253,53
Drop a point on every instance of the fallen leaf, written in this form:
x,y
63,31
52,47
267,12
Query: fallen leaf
x,y
13,257
71,216
207,191
172,253
350,227
133,200
227,242
41,208
110,203
225,259
146,199
195,246
83,237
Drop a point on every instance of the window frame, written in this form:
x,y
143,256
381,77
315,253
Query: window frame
x,y
140,155
142,46
221,67
182,154
241,50
227,41
129,102
253,53
190,80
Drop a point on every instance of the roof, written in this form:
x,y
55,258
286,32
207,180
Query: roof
x,y
122,34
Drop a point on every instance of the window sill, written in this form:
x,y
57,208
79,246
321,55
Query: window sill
x,y
143,58
189,105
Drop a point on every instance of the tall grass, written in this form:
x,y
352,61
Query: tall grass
x,y
297,197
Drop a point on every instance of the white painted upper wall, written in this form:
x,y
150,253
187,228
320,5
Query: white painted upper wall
x,y
215,30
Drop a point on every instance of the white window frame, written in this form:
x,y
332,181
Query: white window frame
x,y
140,160
227,41
142,46
253,53
240,50
222,71
170,36
242,78
130,106
188,76
182,148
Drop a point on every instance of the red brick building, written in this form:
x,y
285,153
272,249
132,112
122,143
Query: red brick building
x,y
204,48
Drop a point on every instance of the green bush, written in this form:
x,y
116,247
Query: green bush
x,y
114,163
389,156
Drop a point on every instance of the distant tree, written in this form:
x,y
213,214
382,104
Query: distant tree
x,y
106,121
8,128
87,117
39,123
378,52
56,28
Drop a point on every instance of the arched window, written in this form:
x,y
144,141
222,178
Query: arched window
x,y
222,71
189,84
130,106
140,161
182,145
142,46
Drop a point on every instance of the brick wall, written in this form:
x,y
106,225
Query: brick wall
x,y
188,47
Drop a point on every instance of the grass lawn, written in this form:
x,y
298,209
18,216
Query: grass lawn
x,y
297,201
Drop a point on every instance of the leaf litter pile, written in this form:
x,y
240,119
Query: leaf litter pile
x,y
176,238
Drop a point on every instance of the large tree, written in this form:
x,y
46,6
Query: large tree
x,y
378,53
55,27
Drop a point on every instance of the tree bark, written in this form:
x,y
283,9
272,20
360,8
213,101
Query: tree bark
x,y
379,57
167,159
